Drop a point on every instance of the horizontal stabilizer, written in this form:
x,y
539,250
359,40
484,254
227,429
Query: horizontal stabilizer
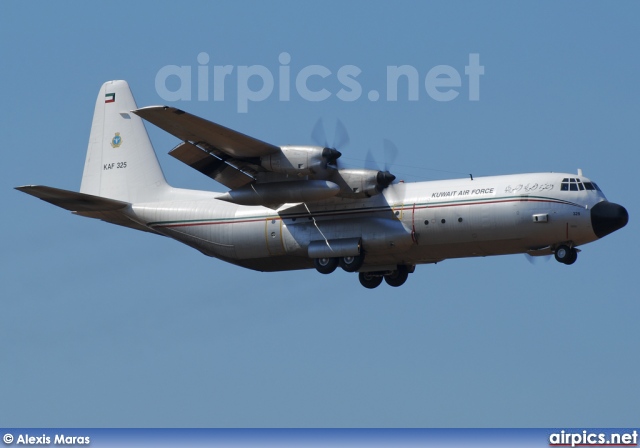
x,y
88,205
71,200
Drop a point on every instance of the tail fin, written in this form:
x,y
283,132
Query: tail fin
x,y
121,163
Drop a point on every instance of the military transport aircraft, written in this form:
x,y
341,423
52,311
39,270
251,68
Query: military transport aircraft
x,y
294,207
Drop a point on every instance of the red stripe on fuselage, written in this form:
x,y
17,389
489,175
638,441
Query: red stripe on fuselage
x,y
360,211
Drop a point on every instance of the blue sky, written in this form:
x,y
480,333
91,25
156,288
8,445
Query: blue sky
x,y
105,326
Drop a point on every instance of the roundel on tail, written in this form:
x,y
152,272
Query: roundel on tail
x,y
116,141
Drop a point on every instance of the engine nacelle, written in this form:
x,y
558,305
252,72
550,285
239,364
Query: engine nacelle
x,y
361,183
300,160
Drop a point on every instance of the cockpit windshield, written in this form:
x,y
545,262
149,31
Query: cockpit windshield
x,y
575,184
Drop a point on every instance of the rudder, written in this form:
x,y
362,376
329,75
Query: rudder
x,y
121,163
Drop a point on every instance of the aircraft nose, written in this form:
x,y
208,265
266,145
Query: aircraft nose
x,y
607,217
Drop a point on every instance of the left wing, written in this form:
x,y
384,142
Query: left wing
x,y
259,173
190,128
225,155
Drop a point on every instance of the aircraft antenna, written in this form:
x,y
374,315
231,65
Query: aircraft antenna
x,y
316,224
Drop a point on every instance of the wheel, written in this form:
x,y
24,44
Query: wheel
x,y
397,277
325,265
352,264
370,280
565,254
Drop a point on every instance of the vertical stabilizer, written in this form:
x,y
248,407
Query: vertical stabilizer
x,y
121,163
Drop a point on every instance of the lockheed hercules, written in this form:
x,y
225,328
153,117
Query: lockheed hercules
x,y
294,207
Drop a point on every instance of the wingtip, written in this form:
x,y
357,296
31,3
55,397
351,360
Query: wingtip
x,y
151,108
24,188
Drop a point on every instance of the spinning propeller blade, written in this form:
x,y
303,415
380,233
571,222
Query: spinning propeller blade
x,y
535,260
340,140
390,153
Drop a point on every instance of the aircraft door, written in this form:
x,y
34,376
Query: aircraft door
x,y
398,211
273,236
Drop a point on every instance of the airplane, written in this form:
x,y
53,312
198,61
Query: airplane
x,y
295,207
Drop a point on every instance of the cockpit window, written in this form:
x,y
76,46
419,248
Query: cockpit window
x,y
575,184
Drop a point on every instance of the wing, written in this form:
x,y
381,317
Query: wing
x,y
227,156
259,173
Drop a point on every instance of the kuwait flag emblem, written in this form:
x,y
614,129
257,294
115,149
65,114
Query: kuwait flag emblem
x,y
110,98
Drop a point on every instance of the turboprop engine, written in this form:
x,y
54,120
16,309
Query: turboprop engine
x,y
362,183
300,160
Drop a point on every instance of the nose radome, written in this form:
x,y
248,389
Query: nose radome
x,y
607,217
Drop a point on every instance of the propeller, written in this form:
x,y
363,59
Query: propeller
x,y
331,155
383,178
390,153
340,140
535,260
